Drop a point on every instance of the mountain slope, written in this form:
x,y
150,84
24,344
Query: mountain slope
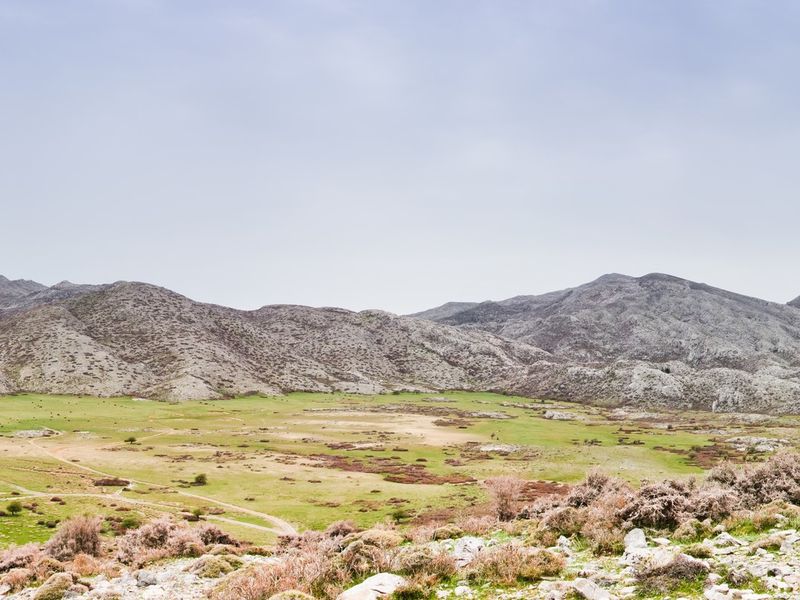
x,y
795,302
21,294
655,339
134,338
655,318
12,291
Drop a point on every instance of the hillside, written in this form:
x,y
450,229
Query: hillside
x,y
21,294
12,291
655,339
134,338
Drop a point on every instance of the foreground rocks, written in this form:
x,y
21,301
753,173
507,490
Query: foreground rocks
x,y
753,567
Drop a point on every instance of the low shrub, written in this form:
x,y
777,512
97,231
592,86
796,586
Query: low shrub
x,y
424,560
505,493
341,529
78,535
658,505
477,525
699,551
16,557
511,563
683,573
692,530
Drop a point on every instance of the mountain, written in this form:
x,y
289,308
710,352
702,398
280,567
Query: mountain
x,y
795,302
21,294
656,339
445,311
645,341
138,339
12,291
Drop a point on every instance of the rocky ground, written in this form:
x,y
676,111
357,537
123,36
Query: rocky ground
x,y
751,568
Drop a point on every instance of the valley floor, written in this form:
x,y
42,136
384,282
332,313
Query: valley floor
x,y
278,464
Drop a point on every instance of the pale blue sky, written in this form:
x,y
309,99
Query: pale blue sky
x,y
399,154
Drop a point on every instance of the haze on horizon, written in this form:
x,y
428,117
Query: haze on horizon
x,y
399,155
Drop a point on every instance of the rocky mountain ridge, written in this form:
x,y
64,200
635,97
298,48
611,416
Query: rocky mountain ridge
x,y
650,341
138,339
656,339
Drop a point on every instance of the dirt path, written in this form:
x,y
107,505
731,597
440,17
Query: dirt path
x,y
32,494
279,525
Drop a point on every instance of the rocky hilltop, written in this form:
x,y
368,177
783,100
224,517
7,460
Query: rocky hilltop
x,y
139,339
652,339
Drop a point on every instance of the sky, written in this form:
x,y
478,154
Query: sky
x,y
399,154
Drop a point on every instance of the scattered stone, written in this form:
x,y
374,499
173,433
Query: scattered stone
x,y
635,539
378,586
758,444
726,540
557,415
465,550
55,587
146,578
586,588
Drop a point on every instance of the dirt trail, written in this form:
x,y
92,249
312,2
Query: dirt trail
x,y
32,494
279,525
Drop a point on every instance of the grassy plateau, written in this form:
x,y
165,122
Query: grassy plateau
x,y
277,464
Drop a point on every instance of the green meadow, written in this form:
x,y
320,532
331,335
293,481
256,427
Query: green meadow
x,y
303,460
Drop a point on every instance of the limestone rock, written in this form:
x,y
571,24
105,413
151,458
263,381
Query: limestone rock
x,y
378,586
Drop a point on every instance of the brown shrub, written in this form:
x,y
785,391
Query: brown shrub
x,y
603,527
18,578
509,564
163,538
361,558
341,529
416,560
417,587
691,530
448,531
211,535
474,525
595,485
658,505
78,535
505,493
307,572
778,478
565,521
662,580
16,557
85,565
713,502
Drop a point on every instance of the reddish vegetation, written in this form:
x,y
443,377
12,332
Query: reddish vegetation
x,y
533,490
394,470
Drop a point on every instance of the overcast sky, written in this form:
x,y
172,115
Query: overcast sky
x,y
399,154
